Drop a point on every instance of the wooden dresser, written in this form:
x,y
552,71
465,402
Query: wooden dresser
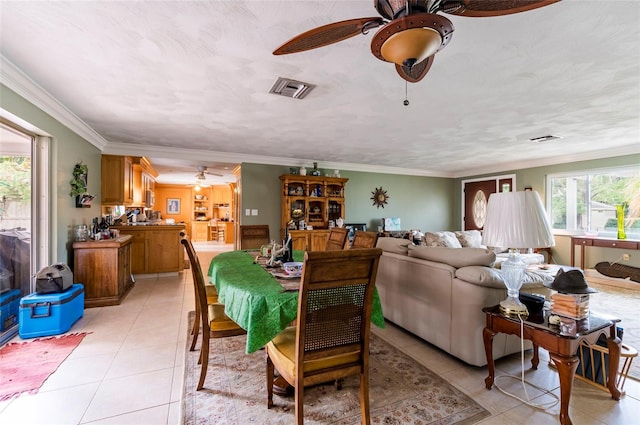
x,y
104,268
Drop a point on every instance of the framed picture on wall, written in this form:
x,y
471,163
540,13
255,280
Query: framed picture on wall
x,y
173,205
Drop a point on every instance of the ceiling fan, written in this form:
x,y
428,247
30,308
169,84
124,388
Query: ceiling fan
x,y
412,31
203,172
201,177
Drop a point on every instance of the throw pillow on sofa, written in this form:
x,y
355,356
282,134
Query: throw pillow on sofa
x,y
455,257
441,239
470,238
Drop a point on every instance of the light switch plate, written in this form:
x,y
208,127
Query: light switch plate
x,y
254,212
247,212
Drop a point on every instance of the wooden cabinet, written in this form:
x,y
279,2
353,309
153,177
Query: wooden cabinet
x,y
199,231
126,180
314,199
104,268
168,253
309,240
155,248
138,251
117,180
222,206
201,208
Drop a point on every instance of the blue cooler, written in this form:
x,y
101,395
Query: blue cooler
x,y
50,314
9,301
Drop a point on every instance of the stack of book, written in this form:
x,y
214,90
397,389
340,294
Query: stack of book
x,y
574,306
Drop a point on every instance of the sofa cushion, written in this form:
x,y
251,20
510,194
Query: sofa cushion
x,y
441,239
470,238
455,257
488,276
395,245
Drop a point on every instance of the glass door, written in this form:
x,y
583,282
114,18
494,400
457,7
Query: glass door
x,y
15,225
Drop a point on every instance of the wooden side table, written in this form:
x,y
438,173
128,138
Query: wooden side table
x,y
562,348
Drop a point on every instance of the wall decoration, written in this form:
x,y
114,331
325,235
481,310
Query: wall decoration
x,y
79,186
379,197
173,205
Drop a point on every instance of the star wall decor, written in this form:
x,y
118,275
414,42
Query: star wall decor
x,y
379,197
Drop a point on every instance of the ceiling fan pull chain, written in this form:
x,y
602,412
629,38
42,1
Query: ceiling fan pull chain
x,y
406,100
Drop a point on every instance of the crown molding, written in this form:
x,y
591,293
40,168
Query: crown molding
x,y
543,162
117,148
16,80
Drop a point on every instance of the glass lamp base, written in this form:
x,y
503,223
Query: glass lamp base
x,y
513,307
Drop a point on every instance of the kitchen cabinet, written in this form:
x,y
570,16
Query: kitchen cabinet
x,y
155,248
104,268
143,181
199,231
138,251
166,251
222,202
201,207
126,180
117,180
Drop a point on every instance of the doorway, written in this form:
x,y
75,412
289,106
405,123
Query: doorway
x,y
476,196
16,173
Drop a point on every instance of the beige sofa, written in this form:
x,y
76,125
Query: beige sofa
x,y
438,293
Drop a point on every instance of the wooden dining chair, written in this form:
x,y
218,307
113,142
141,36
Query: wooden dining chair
x,y
337,239
209,313
331,338
254,235
363,239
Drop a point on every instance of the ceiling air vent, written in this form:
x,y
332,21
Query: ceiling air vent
x,y
291,88
543,138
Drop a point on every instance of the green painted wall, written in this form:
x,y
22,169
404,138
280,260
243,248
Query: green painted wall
x,y
536,178
67,148
260,189
421,202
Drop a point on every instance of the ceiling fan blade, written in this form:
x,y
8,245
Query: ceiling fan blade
x,y
417,72
328,34
486,8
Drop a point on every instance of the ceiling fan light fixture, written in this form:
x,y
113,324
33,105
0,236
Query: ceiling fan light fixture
x,y
411,39
411,46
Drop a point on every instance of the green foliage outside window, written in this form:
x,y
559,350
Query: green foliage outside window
x,y
583,193
15,178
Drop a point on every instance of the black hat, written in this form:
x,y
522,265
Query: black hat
x,y
570,282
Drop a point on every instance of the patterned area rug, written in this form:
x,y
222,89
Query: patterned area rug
x,y
401,392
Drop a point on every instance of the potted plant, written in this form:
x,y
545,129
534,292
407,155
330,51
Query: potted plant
x,y
79,185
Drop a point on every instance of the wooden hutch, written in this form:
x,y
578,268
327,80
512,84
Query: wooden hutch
x,y
316,200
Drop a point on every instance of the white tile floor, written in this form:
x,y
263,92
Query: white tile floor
x,y
129,370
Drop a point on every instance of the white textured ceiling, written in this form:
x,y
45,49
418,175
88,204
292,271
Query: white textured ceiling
x,y
180,76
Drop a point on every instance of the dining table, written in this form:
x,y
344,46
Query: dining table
x,y
261,300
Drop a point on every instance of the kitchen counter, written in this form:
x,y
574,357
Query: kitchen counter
x,y
146,223
103,243
155,247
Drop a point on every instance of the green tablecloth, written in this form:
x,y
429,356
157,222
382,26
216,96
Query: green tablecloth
x,y
255,300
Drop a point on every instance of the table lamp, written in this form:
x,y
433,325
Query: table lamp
x,y
516,220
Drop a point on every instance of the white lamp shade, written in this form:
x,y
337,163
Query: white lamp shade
x,y
517,220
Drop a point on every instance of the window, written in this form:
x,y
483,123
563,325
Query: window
x,y
586,201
